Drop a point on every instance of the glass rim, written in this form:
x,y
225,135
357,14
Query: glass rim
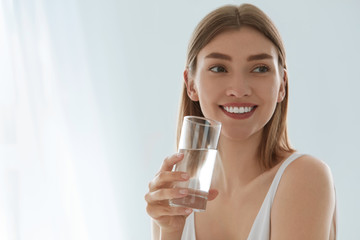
x,y
213,123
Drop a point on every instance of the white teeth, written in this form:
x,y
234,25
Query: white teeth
x,y
238,109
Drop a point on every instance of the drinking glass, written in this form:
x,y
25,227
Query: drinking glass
x,y
198,142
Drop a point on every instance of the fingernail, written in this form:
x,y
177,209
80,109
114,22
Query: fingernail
x,y
184,176
179,155
183,191
189,210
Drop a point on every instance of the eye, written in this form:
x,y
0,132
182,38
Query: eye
x,y
261,69
218,69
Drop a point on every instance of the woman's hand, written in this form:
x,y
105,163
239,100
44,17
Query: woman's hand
x,y
170,220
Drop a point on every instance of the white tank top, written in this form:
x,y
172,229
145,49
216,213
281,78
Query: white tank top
x,y
260,229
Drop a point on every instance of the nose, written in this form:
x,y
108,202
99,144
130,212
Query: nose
x,y
238,87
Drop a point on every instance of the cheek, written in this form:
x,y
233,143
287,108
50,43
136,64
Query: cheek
x,y
208,92
208,89
209,97
269,92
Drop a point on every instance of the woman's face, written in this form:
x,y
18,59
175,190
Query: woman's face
x,y
238,81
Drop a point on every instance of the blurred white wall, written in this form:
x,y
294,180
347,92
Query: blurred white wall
x,y
89,94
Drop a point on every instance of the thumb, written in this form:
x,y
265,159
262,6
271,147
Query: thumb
x,y
212,194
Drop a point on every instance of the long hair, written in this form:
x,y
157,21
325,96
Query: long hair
x,y
274,138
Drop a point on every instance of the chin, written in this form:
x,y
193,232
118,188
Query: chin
x,y
236,134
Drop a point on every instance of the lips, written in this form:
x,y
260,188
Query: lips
x,y
239,110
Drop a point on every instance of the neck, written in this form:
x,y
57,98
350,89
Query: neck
x,y
239,163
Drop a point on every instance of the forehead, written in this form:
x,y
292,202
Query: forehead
x,y
240,43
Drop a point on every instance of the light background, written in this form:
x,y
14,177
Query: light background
x,y
89,95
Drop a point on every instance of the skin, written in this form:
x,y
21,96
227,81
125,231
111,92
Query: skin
x,y
168,222
304,203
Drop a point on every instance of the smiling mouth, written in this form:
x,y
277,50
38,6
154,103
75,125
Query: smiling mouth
x,y
238,110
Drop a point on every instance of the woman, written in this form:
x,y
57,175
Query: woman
x,y
262,189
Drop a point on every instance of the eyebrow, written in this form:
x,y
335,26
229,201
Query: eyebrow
x,y
260,56
219,56
255,57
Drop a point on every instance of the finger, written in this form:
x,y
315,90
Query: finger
x,y
163,179
165,194
169,162
213,193
157,211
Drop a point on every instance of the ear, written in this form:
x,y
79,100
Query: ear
x,y
282,90
190,87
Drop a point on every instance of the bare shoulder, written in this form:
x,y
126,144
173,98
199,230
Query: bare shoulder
x,y
304,204
307,169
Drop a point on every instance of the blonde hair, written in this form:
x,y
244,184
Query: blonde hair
x,y
274,139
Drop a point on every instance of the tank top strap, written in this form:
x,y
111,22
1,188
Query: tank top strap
x,y
260,229
277,178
